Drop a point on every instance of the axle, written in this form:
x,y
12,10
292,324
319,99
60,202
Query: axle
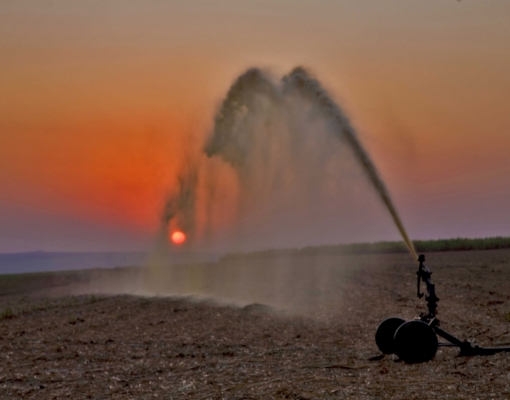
x,y
416,341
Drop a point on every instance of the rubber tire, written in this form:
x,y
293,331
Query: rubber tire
x,y
415,342
384,336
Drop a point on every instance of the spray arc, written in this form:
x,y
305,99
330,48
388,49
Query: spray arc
x,y
255,102
311,89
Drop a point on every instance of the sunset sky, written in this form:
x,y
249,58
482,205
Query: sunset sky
x,y
99,101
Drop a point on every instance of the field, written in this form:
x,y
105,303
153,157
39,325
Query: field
x,y
298,328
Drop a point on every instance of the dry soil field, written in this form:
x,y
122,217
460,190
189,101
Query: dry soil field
x,y
316,341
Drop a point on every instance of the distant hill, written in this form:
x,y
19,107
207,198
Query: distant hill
x,y
421,246
39,261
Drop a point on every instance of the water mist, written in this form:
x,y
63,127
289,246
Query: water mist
x,y
277,148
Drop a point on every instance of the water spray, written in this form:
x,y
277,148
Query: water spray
x,y
416,341
282,140
255,97
300,81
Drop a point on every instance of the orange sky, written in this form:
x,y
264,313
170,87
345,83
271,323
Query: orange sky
x,y
97,100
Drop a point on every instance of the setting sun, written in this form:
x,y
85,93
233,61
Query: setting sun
x,y
178,237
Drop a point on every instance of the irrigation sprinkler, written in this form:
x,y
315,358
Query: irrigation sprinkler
x,y
416,341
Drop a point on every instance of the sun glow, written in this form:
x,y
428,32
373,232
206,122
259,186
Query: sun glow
x,y
178,237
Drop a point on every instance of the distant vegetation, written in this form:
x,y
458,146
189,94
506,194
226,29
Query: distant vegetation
x,y
33,281
421,246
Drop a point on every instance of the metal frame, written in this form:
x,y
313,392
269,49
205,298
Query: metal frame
x,y
466,348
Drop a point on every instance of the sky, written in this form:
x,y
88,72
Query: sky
x,y
101,100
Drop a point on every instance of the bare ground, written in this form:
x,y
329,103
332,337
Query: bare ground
x,y
118,346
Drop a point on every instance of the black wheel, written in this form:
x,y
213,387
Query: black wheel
x,y
385,334
415,342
